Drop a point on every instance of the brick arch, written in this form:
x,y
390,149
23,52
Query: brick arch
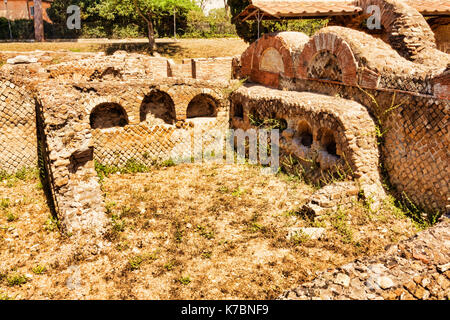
x,y
334,45
406,30
108,115
282,47
91,104
157,104
202,105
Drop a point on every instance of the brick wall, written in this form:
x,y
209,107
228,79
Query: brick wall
x,y
18,147
415,138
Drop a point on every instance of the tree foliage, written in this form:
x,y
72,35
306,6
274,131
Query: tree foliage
x,y
248,30
151,11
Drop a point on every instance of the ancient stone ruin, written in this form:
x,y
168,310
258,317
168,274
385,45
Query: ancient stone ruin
x,y
351,106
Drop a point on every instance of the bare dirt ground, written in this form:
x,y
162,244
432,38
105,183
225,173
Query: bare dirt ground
x,y
177,50
186,232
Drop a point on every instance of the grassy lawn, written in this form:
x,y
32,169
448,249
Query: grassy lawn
x,y
184,232
178,50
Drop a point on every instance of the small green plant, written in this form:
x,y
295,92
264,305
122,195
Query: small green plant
x,y
38,269
153,256
4,203
134,263
51,224
178,235
422,219
16,280
204,232
10,217
26,174
167,163
169,266
206,254
339,222
300,238
118,225
109,207
185,280
238,192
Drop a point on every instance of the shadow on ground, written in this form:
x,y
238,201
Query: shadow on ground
x,y
168,49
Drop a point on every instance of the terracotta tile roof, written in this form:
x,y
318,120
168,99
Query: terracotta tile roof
x,y
323,8
430,7
294,9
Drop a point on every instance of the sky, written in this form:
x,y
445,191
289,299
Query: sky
x,y
213,4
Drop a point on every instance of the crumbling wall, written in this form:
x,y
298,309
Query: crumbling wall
x,y
414,269
407,100
414,131
75,141
327,135
406,30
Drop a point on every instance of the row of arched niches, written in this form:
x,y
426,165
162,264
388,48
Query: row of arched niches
x,y
156,108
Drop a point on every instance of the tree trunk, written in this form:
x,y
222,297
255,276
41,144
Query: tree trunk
x,y
227,9
38,21
151,37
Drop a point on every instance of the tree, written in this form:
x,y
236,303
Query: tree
x,y
151,11
38,21
248,30
202,4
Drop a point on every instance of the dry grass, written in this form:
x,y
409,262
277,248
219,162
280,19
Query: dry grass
x,y
177,50
186,232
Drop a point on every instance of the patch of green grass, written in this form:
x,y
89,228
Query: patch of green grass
x,y
134,263
206,254
4,203
27,174
118,225
167,163
238,192
179,235
51,224
339,222
169,266
38,269
204,232
16,280
153,256
300,238
422,219
10,217
185,280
